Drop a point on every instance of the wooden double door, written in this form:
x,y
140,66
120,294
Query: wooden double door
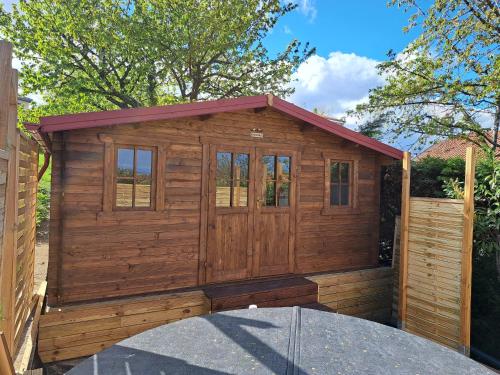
x,y
251,212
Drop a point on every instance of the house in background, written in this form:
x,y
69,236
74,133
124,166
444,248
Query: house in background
x,y
453,148
157,199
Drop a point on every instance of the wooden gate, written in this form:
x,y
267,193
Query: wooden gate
x,y
18,188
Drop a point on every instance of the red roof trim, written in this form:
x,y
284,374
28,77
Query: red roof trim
x,y
134,115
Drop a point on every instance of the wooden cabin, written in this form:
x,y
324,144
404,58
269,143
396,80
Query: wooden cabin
x,y
157,199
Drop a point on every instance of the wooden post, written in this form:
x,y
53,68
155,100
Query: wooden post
x,y
5,88
9,140
466,275
403,256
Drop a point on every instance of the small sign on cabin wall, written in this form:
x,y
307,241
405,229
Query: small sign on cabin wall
x,y
256,133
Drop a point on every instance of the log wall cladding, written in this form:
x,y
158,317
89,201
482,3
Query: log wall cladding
x,y
83,330
191,198
365,294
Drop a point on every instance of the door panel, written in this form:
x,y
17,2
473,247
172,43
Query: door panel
x,y
274,212
274,244
229,256
230,213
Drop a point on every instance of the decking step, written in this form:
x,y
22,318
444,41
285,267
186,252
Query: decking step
x,y
294,291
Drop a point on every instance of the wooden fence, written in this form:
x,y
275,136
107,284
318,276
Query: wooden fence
x,y
18,188
365,294
435,263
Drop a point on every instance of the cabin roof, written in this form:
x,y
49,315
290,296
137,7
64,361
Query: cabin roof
x,y
126,116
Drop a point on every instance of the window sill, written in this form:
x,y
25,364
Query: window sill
x,y
333,211
124,215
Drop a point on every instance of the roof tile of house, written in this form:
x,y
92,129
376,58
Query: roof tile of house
x,y
450,148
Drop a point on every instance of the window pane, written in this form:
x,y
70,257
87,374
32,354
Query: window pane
x,y
334,194
344,172
143,192
284,168
240,193
124,189
269,162
125,162
224,165
334,172
270,194
284,194
144,163
240,190
344,195
241,166
223,192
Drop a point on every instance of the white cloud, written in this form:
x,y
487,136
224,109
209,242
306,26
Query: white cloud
x,y
287,30
308,9
335,84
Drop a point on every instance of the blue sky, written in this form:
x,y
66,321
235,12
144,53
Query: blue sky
x,y
364,27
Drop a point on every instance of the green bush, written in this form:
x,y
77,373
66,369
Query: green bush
x,y
43,196
427,178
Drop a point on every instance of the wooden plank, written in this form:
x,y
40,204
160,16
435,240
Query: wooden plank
x,y
109,157
262,293
205,173
466,274
5,88
29,350
403,257
6,365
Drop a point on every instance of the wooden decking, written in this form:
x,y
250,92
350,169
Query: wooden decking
x,y
296,291
80,330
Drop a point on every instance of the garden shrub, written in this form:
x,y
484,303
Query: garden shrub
x,y
43,196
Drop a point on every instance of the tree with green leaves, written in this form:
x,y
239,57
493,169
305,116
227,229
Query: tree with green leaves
x,y
447,81
87,55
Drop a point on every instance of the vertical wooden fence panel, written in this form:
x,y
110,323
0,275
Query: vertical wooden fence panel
x,y
26,232
18,188
435,269
8,142
434,256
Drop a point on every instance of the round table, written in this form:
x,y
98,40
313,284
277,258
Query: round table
x,y
276,341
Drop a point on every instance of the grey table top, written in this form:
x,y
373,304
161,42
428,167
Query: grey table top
x,y
276,341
